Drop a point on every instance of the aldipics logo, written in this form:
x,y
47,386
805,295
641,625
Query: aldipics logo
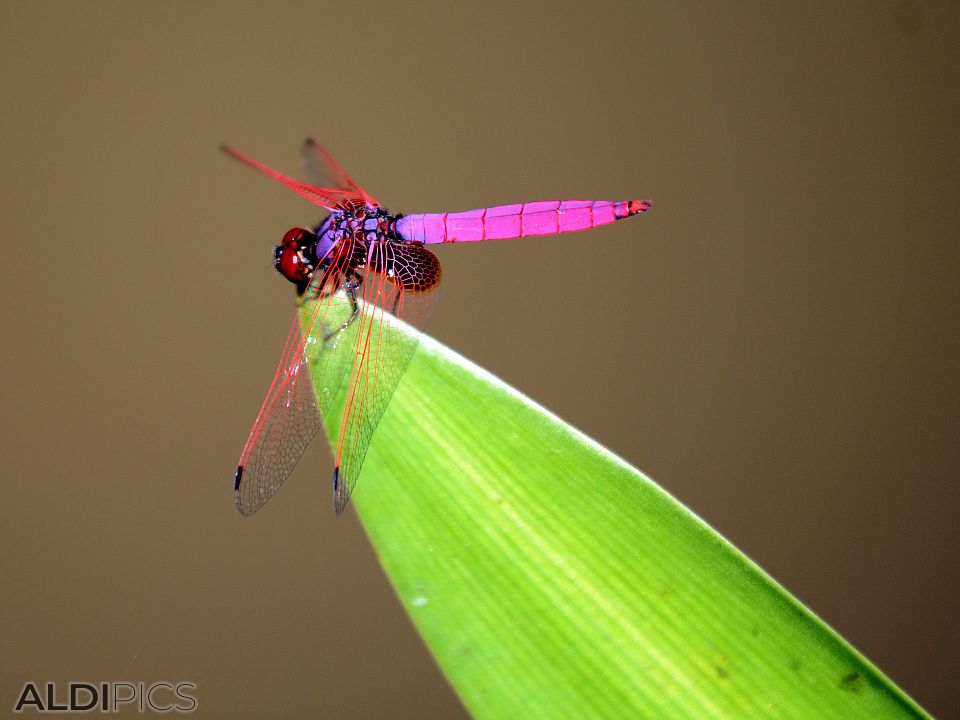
x,y
158,697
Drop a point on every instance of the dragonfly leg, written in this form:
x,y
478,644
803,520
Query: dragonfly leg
x,y
350,288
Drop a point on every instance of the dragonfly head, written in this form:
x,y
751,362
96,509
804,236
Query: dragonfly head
x,y
296,256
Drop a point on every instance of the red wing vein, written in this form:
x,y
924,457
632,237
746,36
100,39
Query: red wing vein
x,y
383,349
308,376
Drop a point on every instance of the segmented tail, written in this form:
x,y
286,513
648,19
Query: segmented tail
x,y
505,222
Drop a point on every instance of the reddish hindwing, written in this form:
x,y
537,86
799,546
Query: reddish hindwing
x,y
415,268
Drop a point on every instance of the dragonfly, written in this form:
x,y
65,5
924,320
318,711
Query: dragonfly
x,y
367,284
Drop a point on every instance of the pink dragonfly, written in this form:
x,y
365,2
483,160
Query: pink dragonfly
x,y
368,285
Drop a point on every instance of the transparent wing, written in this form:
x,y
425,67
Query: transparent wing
x,y
398,293
323,169
311,370
326,197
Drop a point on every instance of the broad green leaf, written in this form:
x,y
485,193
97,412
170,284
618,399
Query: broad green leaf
x,y
550,579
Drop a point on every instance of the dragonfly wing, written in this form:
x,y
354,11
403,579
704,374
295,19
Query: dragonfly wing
x,y
394,309
288,420
323,169
326,197
311,370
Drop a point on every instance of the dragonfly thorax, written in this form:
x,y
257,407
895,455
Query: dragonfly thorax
x,y
362,224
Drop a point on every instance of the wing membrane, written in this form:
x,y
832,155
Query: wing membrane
x,y
323,169
312,367
387,335
326,197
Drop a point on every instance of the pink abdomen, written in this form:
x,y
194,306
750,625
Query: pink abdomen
x,y
513,221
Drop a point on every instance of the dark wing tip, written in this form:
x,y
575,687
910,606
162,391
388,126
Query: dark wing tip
x,y
237,499
339,503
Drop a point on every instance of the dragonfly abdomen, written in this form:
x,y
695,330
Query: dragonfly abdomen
x,y
504,222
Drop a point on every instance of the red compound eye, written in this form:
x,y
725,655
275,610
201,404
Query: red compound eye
x,y
293,237
291,256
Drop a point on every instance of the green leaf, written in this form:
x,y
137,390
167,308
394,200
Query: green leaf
x,y
551,579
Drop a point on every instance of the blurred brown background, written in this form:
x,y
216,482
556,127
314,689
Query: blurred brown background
x,y
776,343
